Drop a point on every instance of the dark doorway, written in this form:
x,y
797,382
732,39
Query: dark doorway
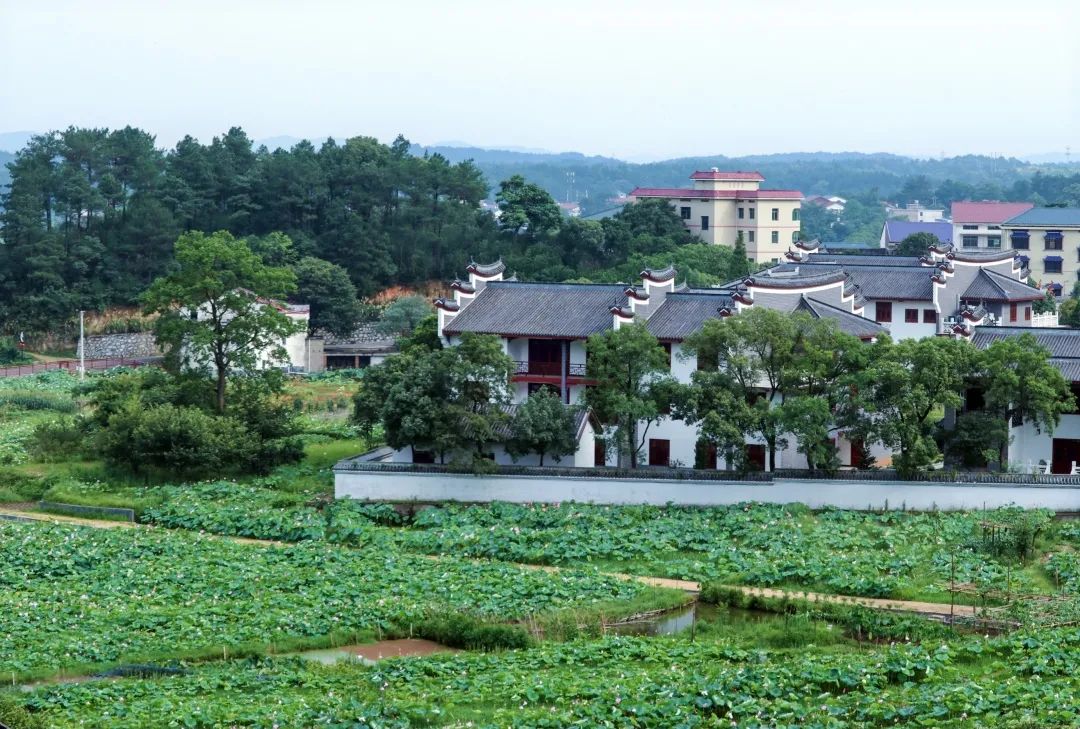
x,y
599,453
659,451
755,456
1065,451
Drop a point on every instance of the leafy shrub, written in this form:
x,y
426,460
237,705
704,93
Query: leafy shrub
x,y
57,440
1010,532
10,354
22,487
15,716
176,440
463,631
36,400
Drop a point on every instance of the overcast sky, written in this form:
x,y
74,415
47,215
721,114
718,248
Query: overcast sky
x,y
638,80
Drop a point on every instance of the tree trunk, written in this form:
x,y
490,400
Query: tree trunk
x,y
632,445
221,389
541,459
771,443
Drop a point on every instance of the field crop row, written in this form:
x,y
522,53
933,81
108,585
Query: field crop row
x,y
72,596
1023,681
892,554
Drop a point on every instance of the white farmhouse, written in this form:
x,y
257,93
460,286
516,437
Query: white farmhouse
x,y
544,326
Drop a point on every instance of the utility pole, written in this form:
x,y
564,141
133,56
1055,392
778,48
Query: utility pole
x,y
82,345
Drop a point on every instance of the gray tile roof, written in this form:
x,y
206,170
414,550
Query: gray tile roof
x,y
365,339
504,430
573,311
898,283
685,313
986,255
1046,217
486,269
993,286
848,322
797,277
860,260
1063,343
659,274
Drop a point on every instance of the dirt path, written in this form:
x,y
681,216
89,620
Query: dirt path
x,y
18,511
908,606
26,513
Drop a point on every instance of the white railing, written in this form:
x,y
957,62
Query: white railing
x,y
1049,319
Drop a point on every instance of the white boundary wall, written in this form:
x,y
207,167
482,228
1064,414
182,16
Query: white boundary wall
x,y
918,496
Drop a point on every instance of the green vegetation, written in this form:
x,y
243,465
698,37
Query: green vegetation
x,y
87,597
193,625
1021,681
92,218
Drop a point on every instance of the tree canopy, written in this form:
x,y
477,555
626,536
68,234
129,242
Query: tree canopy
x,y
632,385
214,307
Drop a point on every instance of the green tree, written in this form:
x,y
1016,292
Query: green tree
x,y
445,400
213,310
1021,385
916,244
542,425
179,441
720,412
1045,305
811,421
403,315
632,385
527,206
327,289
766,359
977,439
906,389
740,258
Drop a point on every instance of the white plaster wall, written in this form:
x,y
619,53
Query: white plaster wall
x,y
1027,444
437,487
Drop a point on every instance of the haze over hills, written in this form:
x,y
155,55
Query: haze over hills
x,y
593,179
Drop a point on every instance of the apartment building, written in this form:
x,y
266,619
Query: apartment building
x,y
1048,241
978,224
722,205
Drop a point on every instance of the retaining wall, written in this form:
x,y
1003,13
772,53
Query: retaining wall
x,y
377,485
136,344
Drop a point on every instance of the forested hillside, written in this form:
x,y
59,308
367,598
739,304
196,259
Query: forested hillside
x,y
92,215
886,176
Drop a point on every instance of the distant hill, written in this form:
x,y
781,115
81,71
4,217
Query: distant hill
x,y
483,155
14,141
5,176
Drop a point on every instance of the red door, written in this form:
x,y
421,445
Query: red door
x,y
1065,451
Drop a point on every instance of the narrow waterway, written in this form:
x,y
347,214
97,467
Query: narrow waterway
x,y
370,653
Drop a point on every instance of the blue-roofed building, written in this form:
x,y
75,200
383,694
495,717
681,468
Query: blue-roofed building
x,y
1050,240
895,231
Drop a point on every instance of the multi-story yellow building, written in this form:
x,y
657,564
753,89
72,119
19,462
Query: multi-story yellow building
x,y
721,205
1048,241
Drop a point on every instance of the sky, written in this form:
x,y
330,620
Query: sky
x,y
635,80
